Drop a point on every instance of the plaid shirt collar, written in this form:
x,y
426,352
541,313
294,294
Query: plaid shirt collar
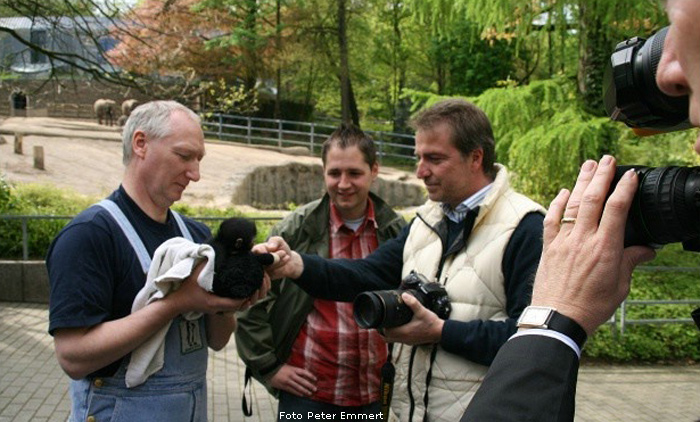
x,y
337,222
460,211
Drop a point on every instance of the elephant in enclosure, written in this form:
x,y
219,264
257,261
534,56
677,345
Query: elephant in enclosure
x,y
105,111
128,106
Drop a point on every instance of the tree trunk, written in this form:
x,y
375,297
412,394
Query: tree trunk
x,y
594,50
400,112
354,112
278,44
249,46
344,71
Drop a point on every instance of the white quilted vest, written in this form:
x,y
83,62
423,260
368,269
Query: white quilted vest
x,y
474,283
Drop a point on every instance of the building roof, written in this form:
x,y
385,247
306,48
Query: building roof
x,y
65,23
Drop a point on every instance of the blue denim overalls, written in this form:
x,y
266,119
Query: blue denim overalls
x,y
175,393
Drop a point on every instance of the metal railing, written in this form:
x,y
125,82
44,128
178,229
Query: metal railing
x,y
617,322
25,219
286,133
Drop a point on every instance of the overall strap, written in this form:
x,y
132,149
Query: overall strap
x,y
133,237
129,231
181,224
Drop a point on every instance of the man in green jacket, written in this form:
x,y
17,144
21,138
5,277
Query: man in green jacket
x,y
310,352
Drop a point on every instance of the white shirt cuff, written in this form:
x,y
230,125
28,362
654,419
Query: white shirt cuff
x,y
552,334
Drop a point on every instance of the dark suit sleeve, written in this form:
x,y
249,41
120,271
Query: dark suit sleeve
x,y
343,279
533,378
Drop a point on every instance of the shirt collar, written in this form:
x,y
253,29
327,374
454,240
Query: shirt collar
x,y
460,211
337,222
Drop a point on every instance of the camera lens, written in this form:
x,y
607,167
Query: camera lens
x,y
630,91
666,207
368,310
381,309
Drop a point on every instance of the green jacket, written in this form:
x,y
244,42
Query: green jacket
x,y
267,331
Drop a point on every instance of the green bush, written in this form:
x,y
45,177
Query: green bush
x,y
40,200
34,200
657,342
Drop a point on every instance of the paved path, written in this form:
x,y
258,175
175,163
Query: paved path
x,y
33,387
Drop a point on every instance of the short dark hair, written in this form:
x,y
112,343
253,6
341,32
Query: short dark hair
x,y
471,128
348,135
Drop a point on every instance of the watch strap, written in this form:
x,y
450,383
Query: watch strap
x,y
567,326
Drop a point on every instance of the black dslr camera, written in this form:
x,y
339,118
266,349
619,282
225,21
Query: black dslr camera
x,y
666,207
385,308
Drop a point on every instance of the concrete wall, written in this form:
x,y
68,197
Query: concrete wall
x,y
24,281
275,187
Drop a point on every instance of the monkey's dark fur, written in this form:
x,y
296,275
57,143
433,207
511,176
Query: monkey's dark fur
x,y
238,272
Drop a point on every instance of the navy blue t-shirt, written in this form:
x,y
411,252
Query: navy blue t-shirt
x,y
94,272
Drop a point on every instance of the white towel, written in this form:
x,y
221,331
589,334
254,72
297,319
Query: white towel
x,y
172,263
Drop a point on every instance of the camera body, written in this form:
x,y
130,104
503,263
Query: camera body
x,y
386,309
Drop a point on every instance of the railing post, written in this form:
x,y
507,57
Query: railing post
x,y
221,126
313,131
250,131
623,309
25,241
279,133
613,324
381,147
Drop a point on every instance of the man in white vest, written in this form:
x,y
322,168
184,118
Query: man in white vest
x,y
475,236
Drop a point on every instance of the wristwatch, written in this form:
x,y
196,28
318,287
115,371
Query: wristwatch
x,y
548,318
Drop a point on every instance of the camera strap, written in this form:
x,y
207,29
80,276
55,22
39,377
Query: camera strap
x,y
411,401
428,377
386,386
246,407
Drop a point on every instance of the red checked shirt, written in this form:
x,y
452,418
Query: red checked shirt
x,y
345,358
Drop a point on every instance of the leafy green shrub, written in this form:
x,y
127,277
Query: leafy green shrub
x,y
657,342
542,133
34,200
40,200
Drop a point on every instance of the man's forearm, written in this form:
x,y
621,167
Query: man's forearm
x,y
219,329
81,351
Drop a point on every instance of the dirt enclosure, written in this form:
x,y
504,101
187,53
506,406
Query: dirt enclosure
x,y
86,157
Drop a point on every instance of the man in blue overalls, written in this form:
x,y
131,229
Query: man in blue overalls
x,y
98,263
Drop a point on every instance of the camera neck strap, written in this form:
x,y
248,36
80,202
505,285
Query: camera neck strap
x,y
386,387
428,377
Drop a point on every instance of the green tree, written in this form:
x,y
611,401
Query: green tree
x,y
471,64
594,25
542,134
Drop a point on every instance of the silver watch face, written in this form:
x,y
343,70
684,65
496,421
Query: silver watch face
x,y
535,316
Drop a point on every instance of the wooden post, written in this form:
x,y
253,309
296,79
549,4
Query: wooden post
x,y
39,157
18,143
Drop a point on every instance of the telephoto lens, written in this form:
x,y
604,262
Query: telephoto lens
x,y
666,207
383,309
630,91
386,308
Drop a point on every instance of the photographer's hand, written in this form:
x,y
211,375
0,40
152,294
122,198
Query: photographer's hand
x,y
585,271
424,328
